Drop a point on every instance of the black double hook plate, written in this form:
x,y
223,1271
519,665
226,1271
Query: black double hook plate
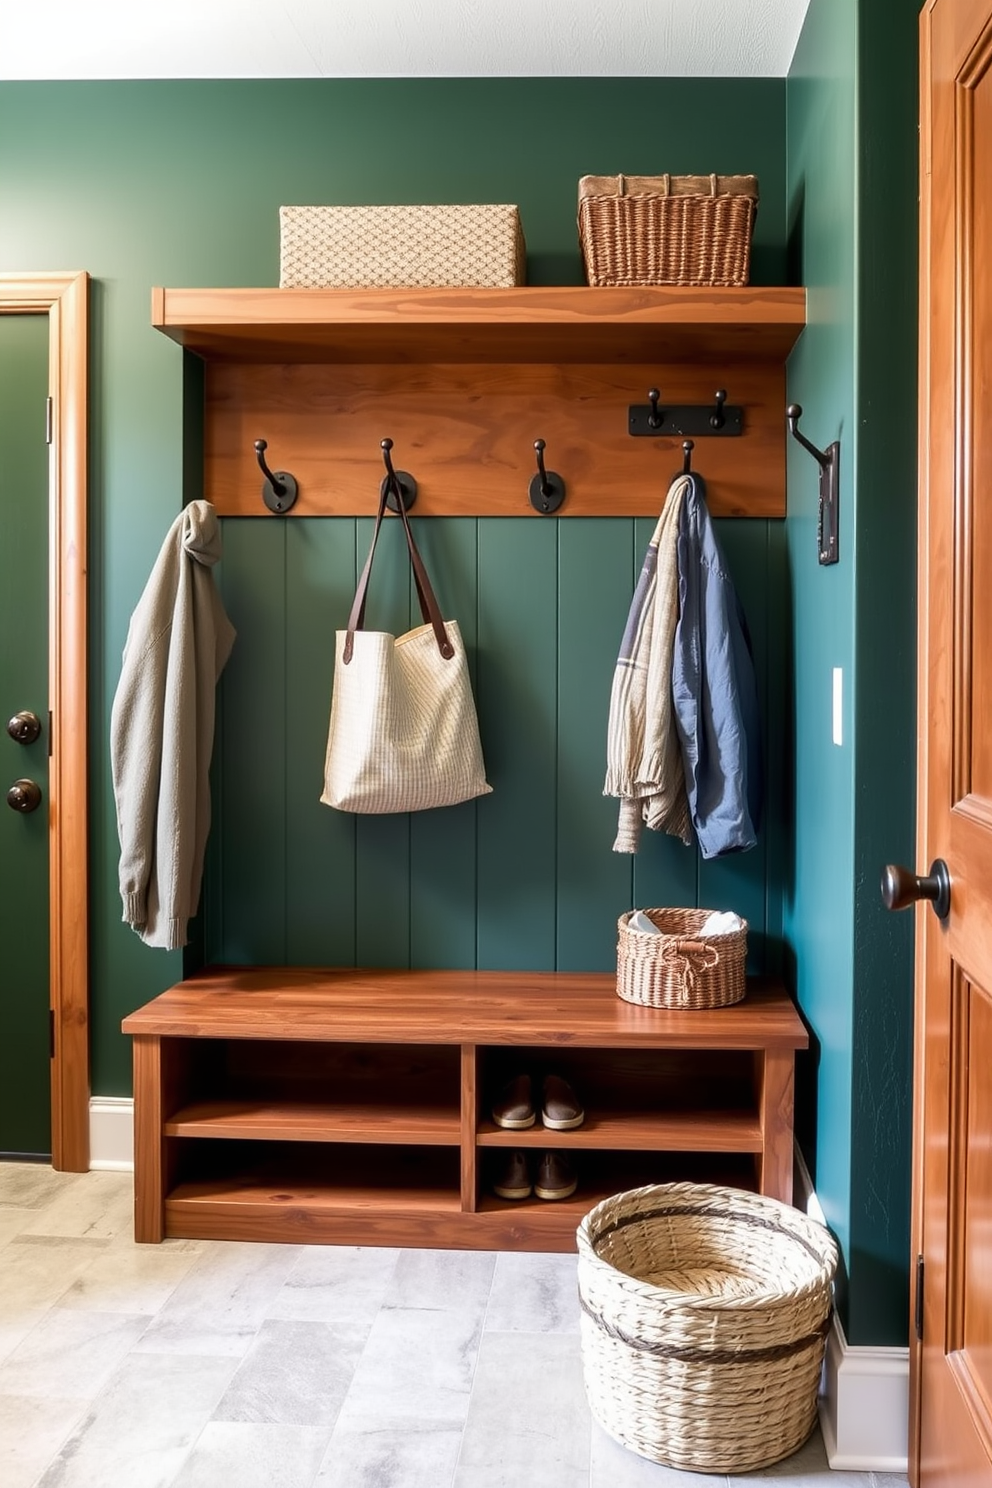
x,y
693,420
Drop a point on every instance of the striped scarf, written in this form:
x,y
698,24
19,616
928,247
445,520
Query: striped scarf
x,y
643,755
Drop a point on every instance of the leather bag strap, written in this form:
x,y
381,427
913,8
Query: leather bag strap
x,y
425,594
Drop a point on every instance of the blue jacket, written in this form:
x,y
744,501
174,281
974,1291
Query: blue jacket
x,y
714,690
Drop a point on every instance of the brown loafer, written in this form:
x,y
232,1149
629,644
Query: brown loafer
x,y
555,1177
561,1110
513,1179
514,1106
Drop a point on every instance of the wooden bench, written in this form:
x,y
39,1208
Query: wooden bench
x,y
335,1105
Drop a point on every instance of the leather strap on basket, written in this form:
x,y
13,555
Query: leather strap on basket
x,y
709,1354
425,594
688,958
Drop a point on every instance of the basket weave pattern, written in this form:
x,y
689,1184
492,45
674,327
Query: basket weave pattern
x,y
679,969
404,247
641,230
704,1318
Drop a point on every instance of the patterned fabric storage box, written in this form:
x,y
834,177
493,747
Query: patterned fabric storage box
x,y
428,247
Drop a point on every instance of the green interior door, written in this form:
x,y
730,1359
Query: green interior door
x,y
25,1100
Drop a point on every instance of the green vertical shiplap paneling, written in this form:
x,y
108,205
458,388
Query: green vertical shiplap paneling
x,y
382,859
774,671
320,846
523,878
517,671
595,579
443,868
253,768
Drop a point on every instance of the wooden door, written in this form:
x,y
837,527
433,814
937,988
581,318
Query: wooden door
x,y
63,300
25,1107
952,1366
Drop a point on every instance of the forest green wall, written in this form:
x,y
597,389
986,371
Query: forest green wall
x,y
852,207
821,164
885,641
179,184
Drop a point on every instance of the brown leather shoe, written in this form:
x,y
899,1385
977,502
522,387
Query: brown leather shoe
x,y
513,1179
514,1106
555,1177
560,1108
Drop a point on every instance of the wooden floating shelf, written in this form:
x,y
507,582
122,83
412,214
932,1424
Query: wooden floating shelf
x,y
560,324
464,381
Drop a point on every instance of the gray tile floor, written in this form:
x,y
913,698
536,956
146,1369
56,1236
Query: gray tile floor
x,y
206,1364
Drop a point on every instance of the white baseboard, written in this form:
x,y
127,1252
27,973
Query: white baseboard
x,y
864,1396
864,1406
112,1134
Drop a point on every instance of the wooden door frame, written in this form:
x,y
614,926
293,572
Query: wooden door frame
x,y
64,299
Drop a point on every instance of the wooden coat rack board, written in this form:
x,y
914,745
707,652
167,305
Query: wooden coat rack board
x,y
465,381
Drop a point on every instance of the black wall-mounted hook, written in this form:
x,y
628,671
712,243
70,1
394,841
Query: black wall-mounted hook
x,y
794,413
279,489
398,486
648,419
687,448
829,463
547,489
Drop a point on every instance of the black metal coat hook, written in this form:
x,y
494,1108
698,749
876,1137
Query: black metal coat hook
x,y
279,489
655,419
687,448
718,417
794,413
398,486
829,510
547,489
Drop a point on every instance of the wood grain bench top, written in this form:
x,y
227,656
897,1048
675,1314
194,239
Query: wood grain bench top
x,y
346,1004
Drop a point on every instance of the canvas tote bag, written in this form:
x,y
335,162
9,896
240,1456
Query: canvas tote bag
x,y
403,734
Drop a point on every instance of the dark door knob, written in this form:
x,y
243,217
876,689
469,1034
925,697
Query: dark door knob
x,y
901,887
24,727
24,796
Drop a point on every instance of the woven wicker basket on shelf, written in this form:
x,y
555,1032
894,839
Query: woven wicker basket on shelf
x,y
705,1312
667,229
680,968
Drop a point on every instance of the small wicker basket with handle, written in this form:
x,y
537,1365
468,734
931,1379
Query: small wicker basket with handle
x,y
680,968
638,230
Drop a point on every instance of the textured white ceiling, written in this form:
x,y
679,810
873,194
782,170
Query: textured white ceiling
x,y
397,38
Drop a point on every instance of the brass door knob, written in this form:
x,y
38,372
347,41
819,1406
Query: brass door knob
x,y
24,795
24,727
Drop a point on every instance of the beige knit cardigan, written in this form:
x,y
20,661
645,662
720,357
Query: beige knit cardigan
x,y
162,730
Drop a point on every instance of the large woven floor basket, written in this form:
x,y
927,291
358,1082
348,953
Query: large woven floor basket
x,y
704,1318
667,229
680,968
